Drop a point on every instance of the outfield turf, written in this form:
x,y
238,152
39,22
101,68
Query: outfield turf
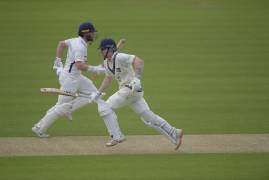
x,y
138,167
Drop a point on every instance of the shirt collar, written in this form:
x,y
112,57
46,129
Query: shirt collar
x,y
83,41
114,54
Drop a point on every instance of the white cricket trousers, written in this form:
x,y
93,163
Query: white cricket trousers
x,y
67,104
135,100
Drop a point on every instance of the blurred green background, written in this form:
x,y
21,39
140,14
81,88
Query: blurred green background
x,y
206,62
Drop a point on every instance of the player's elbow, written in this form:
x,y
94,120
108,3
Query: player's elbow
x,y
138,61
81,66
62,44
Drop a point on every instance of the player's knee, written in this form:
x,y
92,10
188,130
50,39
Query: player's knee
x,y
111,105
79,103
104,109
63,109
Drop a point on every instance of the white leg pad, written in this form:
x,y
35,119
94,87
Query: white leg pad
x,y
103,108
47,121
112,125
110,120
53,114
51,109
159,124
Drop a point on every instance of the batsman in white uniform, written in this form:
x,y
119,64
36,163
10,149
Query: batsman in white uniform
x,y
127,70
72,80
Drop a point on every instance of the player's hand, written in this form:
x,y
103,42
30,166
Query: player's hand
x,y
135,84
57,63
59,71
95,96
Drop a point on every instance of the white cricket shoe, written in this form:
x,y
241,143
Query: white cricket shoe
x,y
114,142
40,134
179,135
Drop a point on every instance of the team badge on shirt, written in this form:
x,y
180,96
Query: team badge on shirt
x,y
118,70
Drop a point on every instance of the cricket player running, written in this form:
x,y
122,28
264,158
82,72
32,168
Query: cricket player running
x,y
72,80
127,70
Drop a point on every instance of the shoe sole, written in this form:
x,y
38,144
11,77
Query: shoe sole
x,y
180,140
120,141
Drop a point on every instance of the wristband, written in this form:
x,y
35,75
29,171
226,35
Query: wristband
x,y
58,59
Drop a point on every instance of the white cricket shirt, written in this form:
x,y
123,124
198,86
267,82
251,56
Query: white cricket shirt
x,y
121,68
77,52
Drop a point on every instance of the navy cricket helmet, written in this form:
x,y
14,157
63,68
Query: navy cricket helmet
x,y
85,28
108,43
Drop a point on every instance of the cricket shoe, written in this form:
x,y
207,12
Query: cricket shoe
x,y
179,135
114,142
40,134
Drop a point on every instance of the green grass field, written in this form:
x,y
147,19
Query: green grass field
x,y
138,167
206,70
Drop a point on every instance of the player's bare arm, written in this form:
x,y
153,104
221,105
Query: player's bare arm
x,y
85,67
58,65
105,83
138,65
60,49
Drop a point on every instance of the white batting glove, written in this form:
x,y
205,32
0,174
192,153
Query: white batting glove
x,y
95,96
59,71
135,84
57,64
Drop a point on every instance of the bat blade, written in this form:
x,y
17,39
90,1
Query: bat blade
x,y
57,92
121,43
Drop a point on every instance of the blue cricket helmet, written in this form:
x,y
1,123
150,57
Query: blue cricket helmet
x,y
108,43
85,28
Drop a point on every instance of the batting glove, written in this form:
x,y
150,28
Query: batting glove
x,y
135,84
57,63
95,96
59,71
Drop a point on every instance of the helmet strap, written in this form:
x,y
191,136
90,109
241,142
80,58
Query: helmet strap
x,y
106,53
